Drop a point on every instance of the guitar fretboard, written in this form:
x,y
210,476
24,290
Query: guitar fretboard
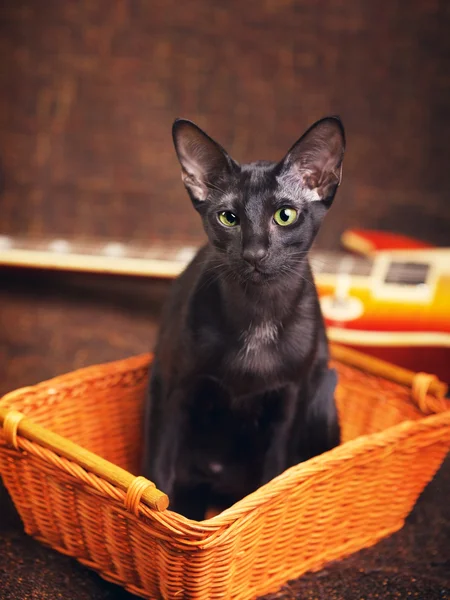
x,y
155,259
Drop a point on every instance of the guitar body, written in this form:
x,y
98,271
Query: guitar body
x,y
364,241
400,312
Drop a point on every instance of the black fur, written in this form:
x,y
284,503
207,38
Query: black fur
x,y
240,387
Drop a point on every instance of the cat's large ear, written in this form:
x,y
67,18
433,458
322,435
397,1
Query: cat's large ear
x,y
314,163
203,161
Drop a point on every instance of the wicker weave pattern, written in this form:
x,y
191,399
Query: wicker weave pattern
x,y
315,512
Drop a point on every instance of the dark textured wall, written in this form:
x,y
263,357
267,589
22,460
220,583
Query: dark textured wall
x,y
88,91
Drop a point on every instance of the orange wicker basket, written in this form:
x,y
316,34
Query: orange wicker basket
x,y
69,446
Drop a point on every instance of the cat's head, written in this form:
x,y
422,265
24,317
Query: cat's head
x,y
262,217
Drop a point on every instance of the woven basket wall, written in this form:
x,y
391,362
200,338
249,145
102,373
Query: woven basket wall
x,y
395,437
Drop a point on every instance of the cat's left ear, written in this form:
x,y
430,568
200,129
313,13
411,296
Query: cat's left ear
x,y
203,161
314,163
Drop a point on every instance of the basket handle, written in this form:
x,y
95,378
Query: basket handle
x,y
421,384
137,488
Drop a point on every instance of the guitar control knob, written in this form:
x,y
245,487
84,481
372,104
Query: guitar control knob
x,y
339,308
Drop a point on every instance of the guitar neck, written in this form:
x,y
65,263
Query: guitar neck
x,y
113,258
153,260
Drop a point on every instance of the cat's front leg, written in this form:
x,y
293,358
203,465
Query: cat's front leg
x,y
319,429
164,429
165,451
277,458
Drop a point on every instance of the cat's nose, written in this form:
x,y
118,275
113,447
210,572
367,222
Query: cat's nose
x,y
254,254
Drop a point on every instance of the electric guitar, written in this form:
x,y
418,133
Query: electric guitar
x,y
392,300
389,296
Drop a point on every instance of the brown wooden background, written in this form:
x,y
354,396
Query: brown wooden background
x,y
89,89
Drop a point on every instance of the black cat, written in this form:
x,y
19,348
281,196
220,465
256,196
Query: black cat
x,y
240,387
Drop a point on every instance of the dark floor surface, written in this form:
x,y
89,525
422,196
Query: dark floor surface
x,y
53,324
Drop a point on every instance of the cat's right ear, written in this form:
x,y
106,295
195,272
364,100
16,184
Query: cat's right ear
x,y
203,161
314,163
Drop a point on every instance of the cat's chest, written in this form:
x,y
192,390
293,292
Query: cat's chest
x,y
259,337
258,348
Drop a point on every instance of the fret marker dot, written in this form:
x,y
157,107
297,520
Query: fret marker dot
x,y
185,254
60,246
5,242
114,249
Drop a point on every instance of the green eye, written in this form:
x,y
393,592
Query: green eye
x,y
285,216
228,219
